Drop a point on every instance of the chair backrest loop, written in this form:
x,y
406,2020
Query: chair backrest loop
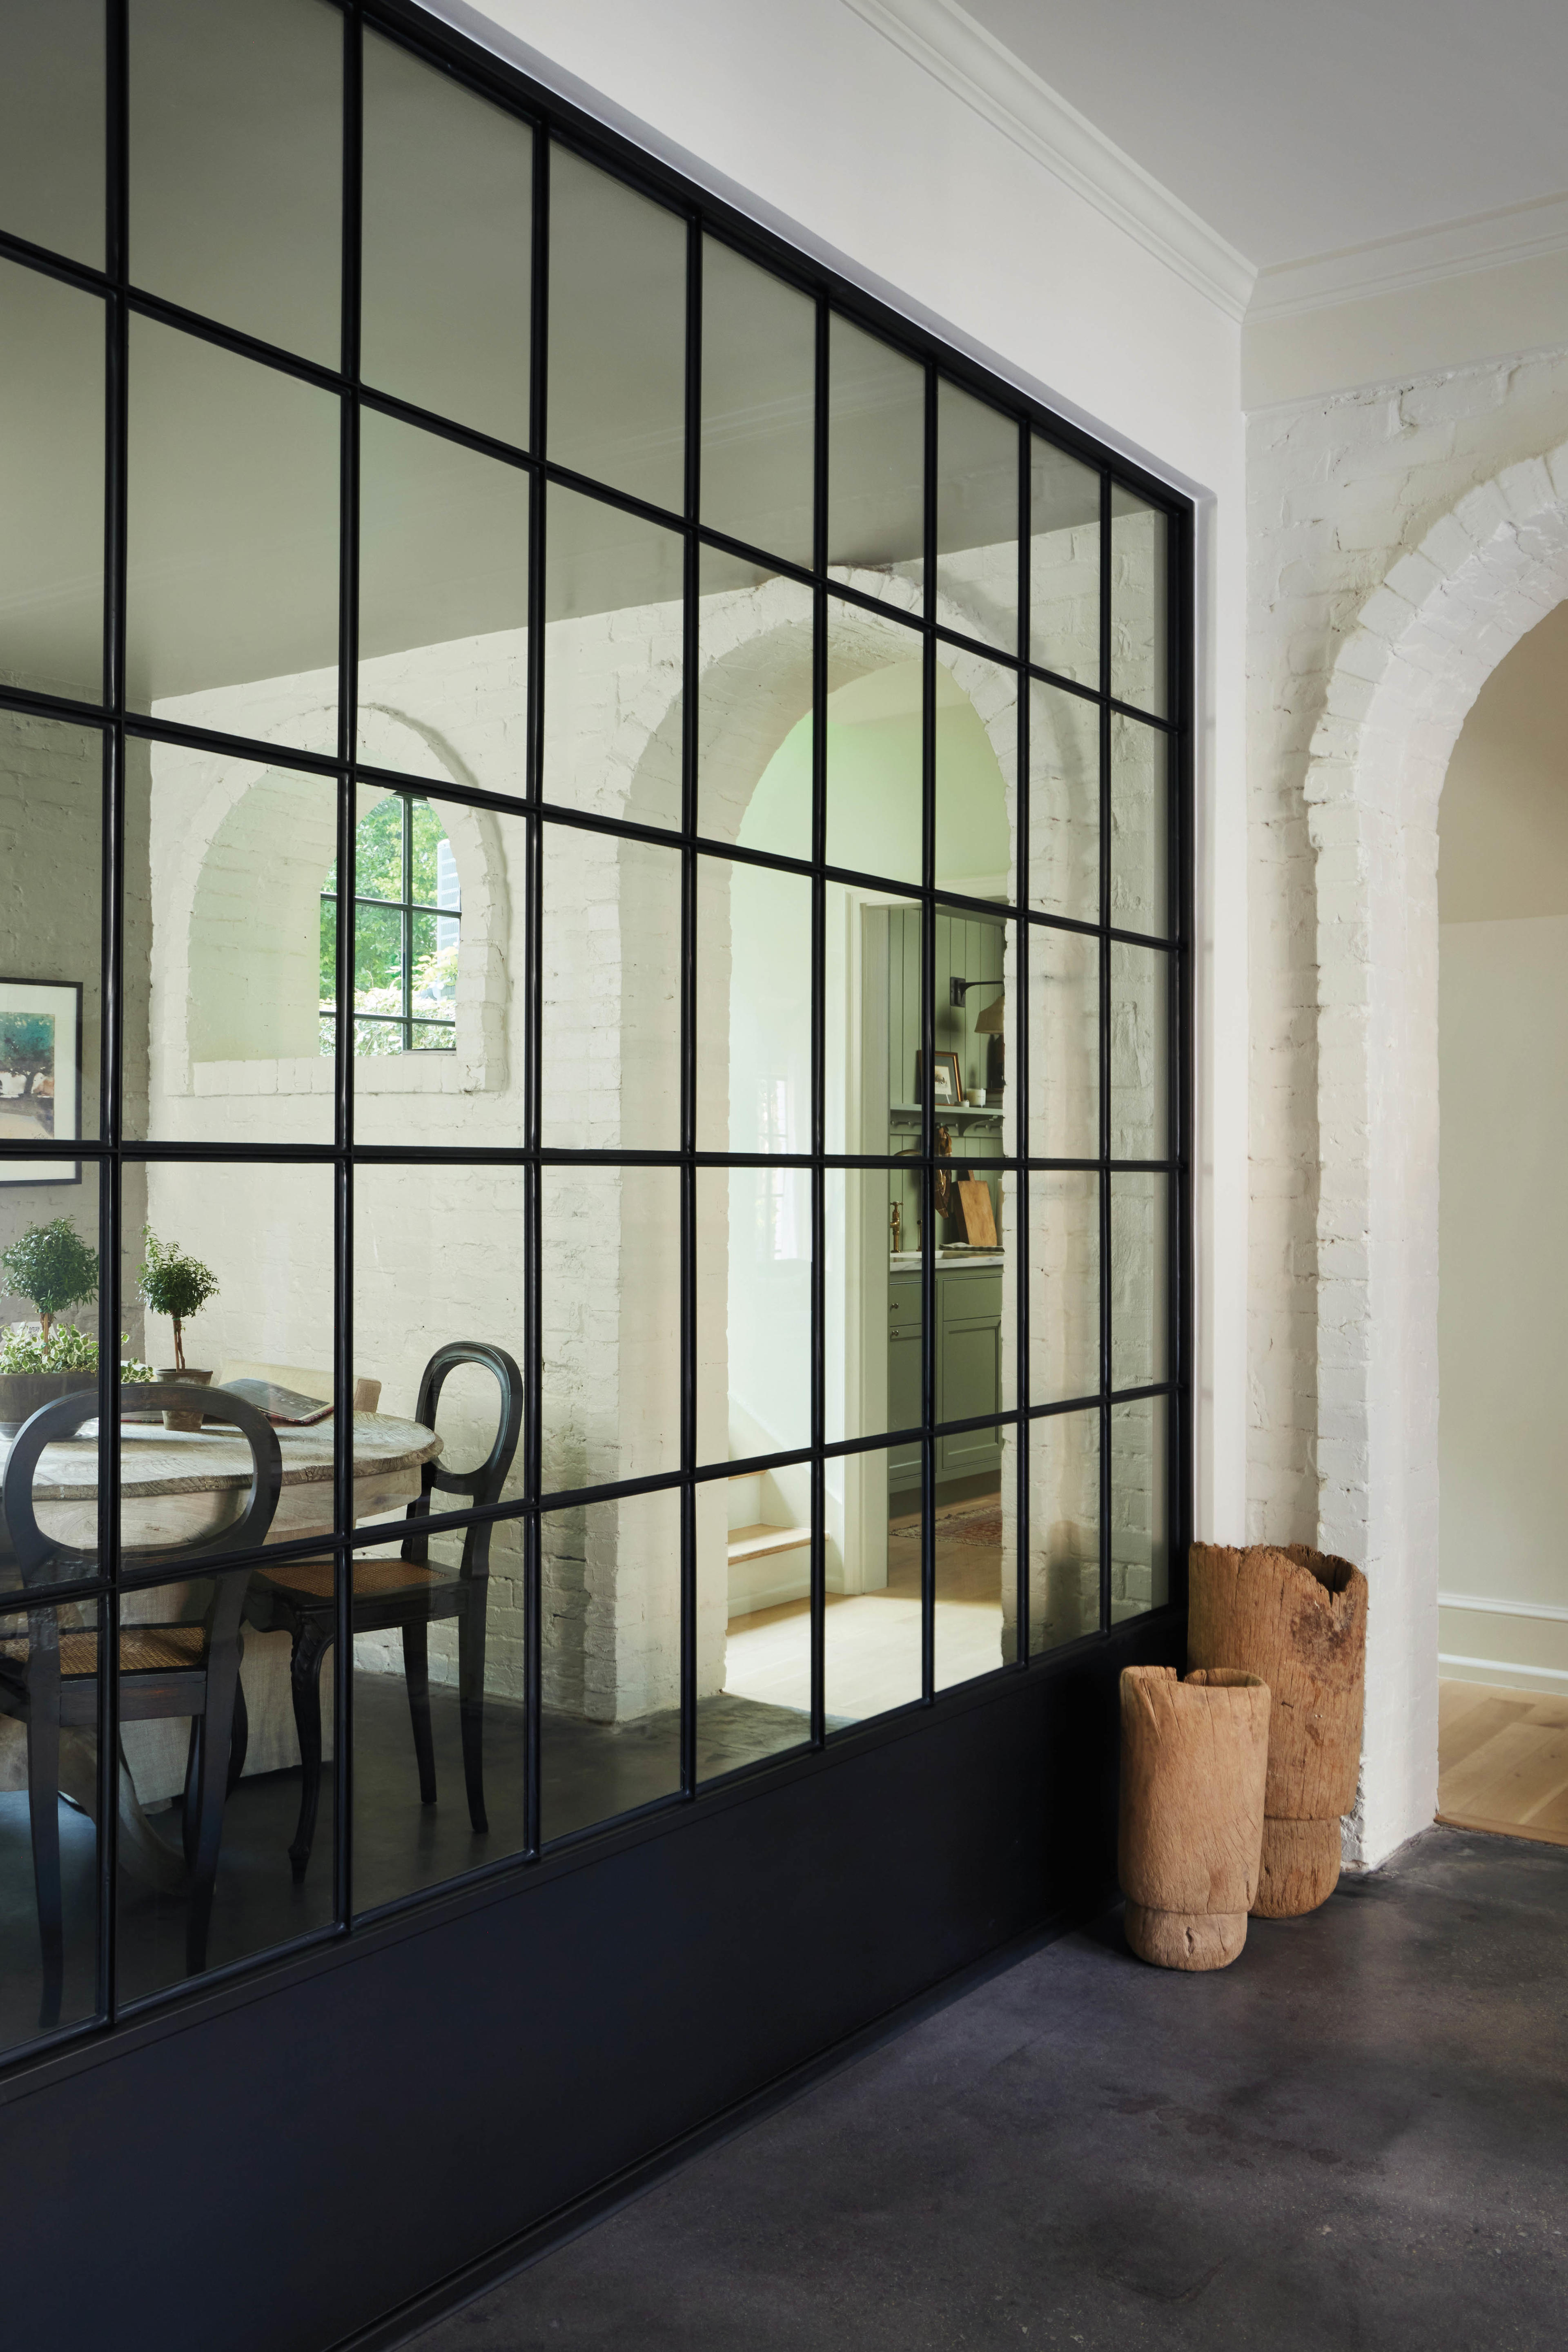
x,y
481,1485
53,1424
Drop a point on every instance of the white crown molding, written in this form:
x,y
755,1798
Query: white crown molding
x,y
966,59
1420,258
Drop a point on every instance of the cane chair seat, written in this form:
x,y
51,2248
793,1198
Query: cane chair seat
x,y
312,1578
144,1650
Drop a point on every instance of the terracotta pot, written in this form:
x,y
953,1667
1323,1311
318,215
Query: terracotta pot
x,y
22,1394
171,1418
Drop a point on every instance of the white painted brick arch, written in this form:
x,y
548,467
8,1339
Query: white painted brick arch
x,y
1425,640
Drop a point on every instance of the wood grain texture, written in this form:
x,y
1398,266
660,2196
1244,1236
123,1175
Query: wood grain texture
x,y
1296,1618
1502,1761
1195,1762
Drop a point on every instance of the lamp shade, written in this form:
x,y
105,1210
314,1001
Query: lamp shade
x,y
991,1021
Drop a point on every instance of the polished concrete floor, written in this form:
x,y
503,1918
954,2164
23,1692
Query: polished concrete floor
x,y
1355,2139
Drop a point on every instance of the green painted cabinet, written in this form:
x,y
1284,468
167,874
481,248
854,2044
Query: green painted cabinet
x,y
967,1371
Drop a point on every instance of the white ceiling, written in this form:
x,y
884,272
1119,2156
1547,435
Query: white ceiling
x,y
1300,127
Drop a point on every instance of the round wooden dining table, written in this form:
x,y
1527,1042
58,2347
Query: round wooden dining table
x,y
176,1486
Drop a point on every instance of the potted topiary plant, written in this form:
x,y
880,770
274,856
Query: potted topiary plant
x,y
174,1284
53,1268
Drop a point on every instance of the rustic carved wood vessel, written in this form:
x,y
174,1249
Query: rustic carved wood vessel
x,y
1195,1760
1297,1618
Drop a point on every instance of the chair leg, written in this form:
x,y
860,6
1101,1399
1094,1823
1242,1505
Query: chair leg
x,y
471,1701
192,1805
44,1817
211,1755
239,1738
416,1674
311,1643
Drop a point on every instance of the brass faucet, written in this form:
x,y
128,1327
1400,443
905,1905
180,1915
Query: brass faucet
x,y
897,1223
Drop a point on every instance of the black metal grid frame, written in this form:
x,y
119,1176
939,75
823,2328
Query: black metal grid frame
x,y
567,126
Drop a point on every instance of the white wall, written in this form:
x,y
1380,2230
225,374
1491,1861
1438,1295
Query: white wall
x,y
1502,883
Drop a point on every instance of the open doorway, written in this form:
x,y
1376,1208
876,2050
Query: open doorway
x,y
1503,1249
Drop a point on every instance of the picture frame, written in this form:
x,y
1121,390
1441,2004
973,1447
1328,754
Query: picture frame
x,y
40,1075
946,1080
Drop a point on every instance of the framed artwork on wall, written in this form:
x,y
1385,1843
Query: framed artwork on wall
x,y
946,1080
40,1076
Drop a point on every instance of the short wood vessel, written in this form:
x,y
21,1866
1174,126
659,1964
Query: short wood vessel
x,y
1195,1759
1297,1618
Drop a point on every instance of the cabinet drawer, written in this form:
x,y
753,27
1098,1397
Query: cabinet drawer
x,y
904,1303
966,1296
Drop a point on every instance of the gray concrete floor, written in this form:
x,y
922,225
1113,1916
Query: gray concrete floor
x,y
1356,2137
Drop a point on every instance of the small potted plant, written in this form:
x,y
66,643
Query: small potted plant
x,y
54,1269
174,1284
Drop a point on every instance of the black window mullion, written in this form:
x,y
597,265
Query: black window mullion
x,y
820,487
688,1179
533,994
1017,1077
928,1063
1105,1424
343,1186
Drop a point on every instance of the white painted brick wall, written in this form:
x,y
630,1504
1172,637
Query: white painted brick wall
x,y
1402,539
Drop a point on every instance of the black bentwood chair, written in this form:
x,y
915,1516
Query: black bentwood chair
x,y
49,1678
404,1594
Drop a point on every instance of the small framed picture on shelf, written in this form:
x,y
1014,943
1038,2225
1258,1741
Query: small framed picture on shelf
x,y
40,1075
947,1081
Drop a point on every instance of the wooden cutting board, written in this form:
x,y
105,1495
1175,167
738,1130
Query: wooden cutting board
x,y
975,1201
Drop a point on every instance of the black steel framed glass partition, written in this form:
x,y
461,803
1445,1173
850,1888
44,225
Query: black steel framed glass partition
x,y
767,737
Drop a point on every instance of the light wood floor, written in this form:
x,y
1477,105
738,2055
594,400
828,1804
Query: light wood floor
x,y
872,1659
1502,1761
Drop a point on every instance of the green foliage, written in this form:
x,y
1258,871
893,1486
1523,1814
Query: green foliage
x,y
378,976
53,1267
27,1044
66,1350
174,1284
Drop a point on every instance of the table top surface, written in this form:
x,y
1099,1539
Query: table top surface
x,y
156,1461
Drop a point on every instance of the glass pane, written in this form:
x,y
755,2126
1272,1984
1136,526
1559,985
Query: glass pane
x,y
754,707
1064,564
1063,805
1140,1290
438,1252
1140,828
977,775
976,1355
754,1314
1063,1530
617,334
50,1329
976,519
51,486
613,642
754,1009
876,465
1063,1044
1138,599
874,743
1139,1052
379,972
610,1014
1065,1286
872,1024
466,868
52,126
973,962
610,1325
225,1001
233,564
227,1276
48,1885
760,346
976,1573
237,164
444,608
51,847
446,245
1140,1506
755,1571
873,1220
610,1738
872,1635
242,1898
